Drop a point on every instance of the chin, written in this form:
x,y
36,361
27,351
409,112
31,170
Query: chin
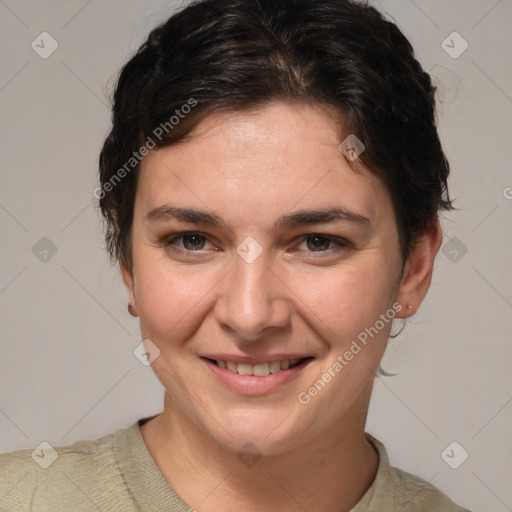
x,y
265,432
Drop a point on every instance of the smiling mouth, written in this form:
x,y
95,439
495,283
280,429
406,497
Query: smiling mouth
x,y
260,369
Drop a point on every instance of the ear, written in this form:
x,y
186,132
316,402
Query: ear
x,y
418,270
128,280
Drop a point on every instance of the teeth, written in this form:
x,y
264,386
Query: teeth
x,y
275,366
260,369
245,369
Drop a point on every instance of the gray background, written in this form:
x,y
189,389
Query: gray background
x,y
67,368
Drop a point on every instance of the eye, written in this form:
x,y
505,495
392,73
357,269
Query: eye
x,y
191,242
321,243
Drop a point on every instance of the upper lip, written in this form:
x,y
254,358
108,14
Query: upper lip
x,y
254,360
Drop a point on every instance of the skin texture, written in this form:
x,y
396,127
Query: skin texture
x,y
249,169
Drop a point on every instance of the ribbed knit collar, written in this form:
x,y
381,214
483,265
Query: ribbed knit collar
x,y
149,488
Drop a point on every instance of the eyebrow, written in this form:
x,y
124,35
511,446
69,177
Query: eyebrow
x,y
294,219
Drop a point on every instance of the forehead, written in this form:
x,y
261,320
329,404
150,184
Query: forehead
x,y
264,161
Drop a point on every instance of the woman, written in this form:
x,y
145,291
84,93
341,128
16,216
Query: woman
x,y
271,188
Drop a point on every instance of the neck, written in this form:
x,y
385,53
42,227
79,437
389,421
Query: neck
x,y
332,471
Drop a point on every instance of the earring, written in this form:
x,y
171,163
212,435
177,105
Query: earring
x,y
409,307
131,309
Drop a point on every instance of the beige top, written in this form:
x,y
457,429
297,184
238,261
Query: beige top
x,y
117,473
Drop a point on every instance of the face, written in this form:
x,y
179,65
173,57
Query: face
x,y
257,297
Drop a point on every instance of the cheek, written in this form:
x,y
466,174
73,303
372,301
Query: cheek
x,y
346,299
170,302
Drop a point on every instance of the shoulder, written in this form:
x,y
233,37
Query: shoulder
x,y
395,489
415,494
35,478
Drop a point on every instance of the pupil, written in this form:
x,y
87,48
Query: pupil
x,y
195,240
320,245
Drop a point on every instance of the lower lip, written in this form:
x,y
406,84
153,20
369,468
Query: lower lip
x,y
253,385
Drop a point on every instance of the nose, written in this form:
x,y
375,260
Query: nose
x,y
253,300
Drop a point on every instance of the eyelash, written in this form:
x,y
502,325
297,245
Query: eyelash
x,y
342,244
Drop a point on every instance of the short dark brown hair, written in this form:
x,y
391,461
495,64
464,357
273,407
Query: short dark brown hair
x,y
232,55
